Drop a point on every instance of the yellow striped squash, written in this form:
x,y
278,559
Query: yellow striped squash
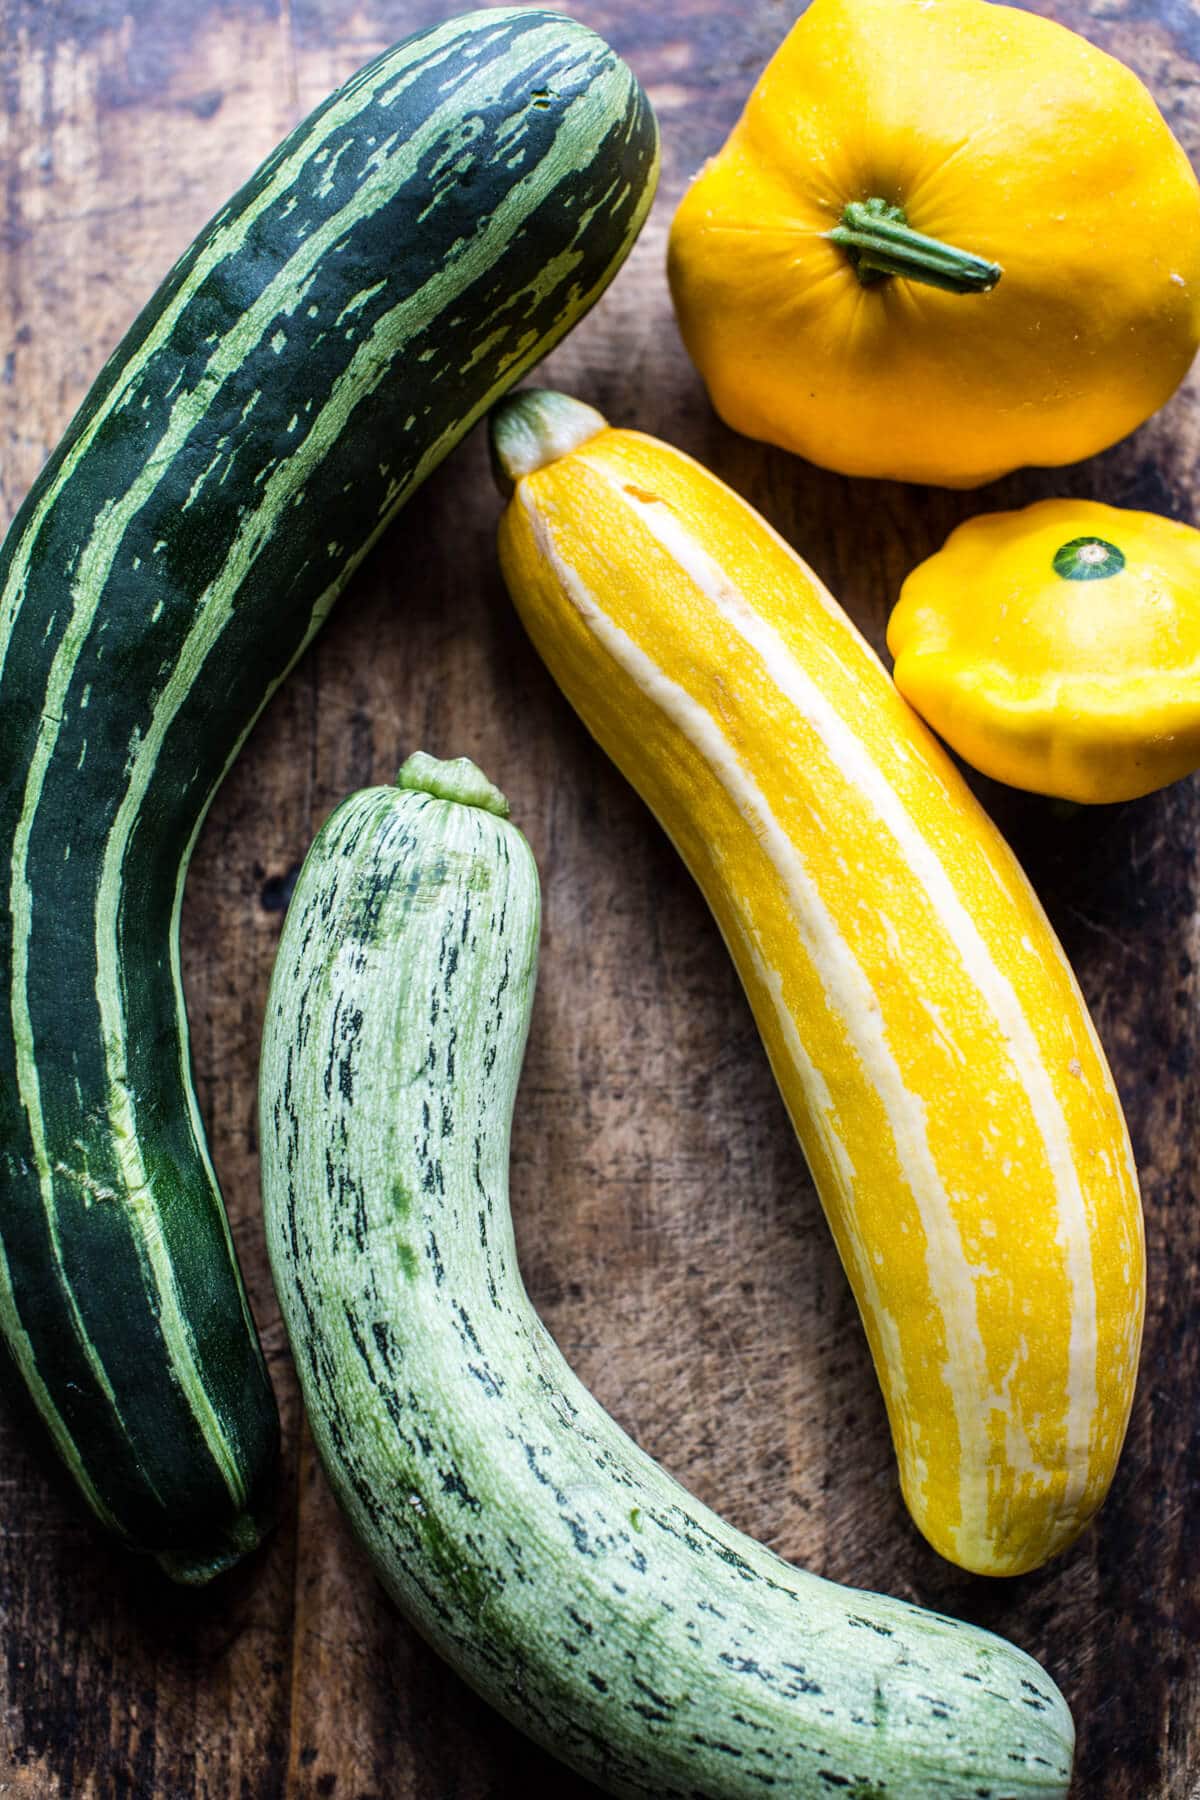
x,y
929,1038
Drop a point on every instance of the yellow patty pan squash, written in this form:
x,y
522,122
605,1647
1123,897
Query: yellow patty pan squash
x,y
1058,648
946,239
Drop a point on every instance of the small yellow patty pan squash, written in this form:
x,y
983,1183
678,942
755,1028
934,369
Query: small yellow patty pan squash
x,y
946,239
1058,648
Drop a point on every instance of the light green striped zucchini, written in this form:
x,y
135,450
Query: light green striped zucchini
x,y
412,248
576,1585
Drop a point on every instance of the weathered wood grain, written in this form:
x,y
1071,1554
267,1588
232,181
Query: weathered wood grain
x,y
667,1226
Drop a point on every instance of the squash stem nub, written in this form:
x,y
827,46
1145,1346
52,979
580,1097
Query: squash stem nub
x,y
879,242
1088,559
459,780
534,427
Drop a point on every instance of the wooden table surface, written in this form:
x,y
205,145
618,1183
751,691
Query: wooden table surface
x,y
667,1225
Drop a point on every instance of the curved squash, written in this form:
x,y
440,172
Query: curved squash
x,y
427,234
567,1577
931,1043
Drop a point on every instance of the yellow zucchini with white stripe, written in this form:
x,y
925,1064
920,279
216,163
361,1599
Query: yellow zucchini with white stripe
x,y
930,1040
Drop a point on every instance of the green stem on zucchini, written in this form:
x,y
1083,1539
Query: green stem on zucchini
x,y
535,427
879,241
460,780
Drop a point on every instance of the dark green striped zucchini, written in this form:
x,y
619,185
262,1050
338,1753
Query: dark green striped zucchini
x,y
402,258
576,1585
